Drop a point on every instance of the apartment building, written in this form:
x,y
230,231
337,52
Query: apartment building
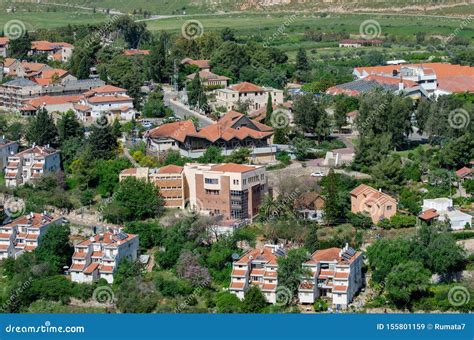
x,y
25,233
7,148
58,51
99,256
375,203
31,164
257,267
4,41
169,179
108,100
16,92
334,274
247,92
233,191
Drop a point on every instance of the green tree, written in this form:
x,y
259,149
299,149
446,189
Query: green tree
x,y
385,254
254,300
405,281
268,116
55,247
227,302
239,156
290,270
311,241
134,200
311,117
102,139
69,127
228,34
196,94
302,63
158,61
213,154
332,207
19,48
42,130
154,106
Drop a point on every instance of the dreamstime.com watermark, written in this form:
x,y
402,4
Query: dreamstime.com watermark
x,y
459,119
46,328
459,296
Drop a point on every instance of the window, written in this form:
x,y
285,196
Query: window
x,y
236,181
389,207
211,181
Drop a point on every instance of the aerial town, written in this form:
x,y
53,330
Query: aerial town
x,y
289,169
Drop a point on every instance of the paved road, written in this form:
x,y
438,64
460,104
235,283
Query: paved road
x,y
181,110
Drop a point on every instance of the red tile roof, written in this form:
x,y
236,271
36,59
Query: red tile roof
x,y
136,52
171,169
104,89
202,64
429,214
109,99
91,268
246,87
44,45
463,172
232,167
237,285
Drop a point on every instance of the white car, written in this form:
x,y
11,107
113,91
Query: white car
x,y
317,174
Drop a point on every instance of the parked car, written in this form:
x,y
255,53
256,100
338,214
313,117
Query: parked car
x,y
317,174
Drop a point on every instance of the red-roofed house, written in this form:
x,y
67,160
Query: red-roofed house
x,y
232,131
375,203
31,164
247,92
335,273
59,51
210,79
257,267
99,256
108,100
134,52
24,234
4,41
203,65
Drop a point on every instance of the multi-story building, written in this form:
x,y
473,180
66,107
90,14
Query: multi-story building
x,y
59,51
25,233
375,203
31,164
99,256
16,92
7,148
106,100
169,179
257,267
233,191
4,41
256,96
334,274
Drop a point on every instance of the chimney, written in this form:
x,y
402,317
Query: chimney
x,y
401,86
